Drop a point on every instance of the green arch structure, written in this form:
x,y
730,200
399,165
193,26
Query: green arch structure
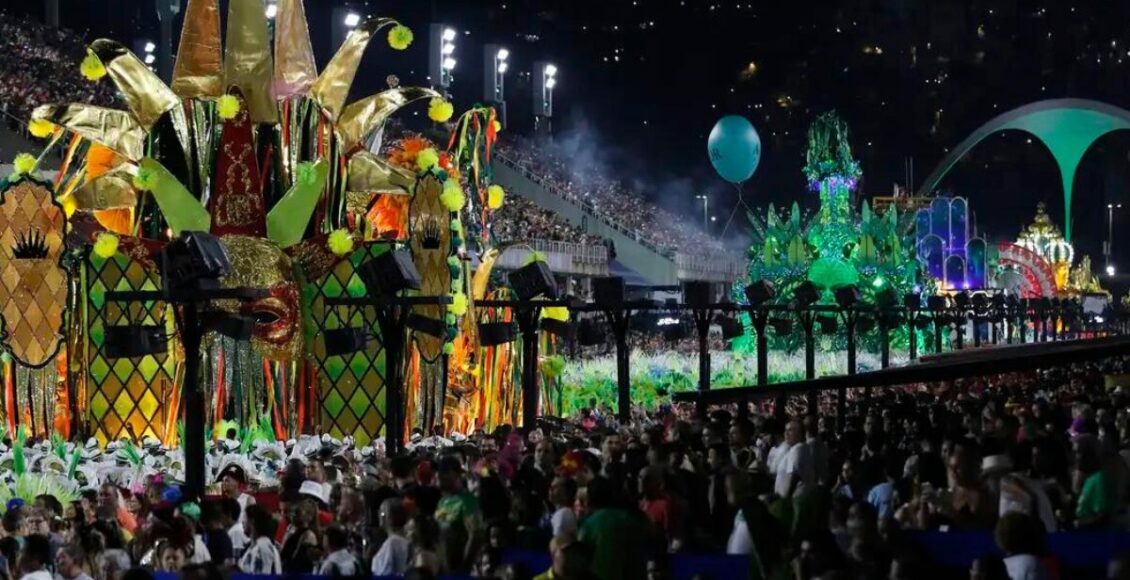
x,y
1067,127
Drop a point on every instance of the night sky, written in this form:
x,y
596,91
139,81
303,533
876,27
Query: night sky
x,y
642,82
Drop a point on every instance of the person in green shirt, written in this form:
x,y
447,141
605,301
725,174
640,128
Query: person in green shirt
x,y
459,517
1098,494
615,535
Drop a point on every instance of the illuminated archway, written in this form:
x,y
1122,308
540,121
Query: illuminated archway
x,y
1067,127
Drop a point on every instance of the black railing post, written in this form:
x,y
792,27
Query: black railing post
x,y
527,317
619,320
195,412
807,319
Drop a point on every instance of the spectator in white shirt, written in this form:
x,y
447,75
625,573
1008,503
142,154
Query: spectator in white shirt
x,y
393,557
340,561
795,472
232,514
262,557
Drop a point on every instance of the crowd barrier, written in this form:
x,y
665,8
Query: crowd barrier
x,y
1075,555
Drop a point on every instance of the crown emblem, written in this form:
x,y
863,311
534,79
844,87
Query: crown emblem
x,y
431,236
30,246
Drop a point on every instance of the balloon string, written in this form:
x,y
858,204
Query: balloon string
x,y
741,203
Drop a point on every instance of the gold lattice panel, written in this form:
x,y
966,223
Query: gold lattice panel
x,y
33,285
128,396
351,387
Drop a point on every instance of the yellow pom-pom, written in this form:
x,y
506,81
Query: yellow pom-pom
x,y
400,36
106,245
495,196
40,128
340,242
228,107
440,110
427,159
24,163
92,67
452,197
458,305
556,313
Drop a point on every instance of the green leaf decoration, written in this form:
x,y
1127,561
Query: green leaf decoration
x,y
182,211
287,221
797,253
19,461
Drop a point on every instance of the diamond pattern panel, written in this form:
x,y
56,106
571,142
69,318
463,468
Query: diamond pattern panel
x,y
351,386
128,397
33,286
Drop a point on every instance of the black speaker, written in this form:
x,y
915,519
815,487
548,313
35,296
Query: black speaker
x,y
827,324
674,332
194,260
806,293
390,273
342,341
533,280
429,326
589,333
781,325
608,291
554,326
235,327
760,292
847,296
731,327
912,301
495,333
696,293
135,341
886,298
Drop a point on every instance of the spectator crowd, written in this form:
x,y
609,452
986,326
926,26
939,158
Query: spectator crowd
x,y
1018,455
520,219
606,198
39,64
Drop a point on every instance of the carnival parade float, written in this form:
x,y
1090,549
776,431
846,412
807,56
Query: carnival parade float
x,y
259,149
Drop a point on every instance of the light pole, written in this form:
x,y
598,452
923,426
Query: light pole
x,y
545,80
705,210
496,59
1109,249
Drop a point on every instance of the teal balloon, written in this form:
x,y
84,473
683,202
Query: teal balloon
x,y
735,148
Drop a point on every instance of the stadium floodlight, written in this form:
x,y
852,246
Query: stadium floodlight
x,y
272,10
503,54
352,19
1110,270
150,47
502,67
449,64
448,48
449,34
150,59
550,83
550,70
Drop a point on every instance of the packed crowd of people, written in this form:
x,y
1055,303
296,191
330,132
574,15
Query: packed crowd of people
x,y
1018,455
39,64
606,198
520,219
